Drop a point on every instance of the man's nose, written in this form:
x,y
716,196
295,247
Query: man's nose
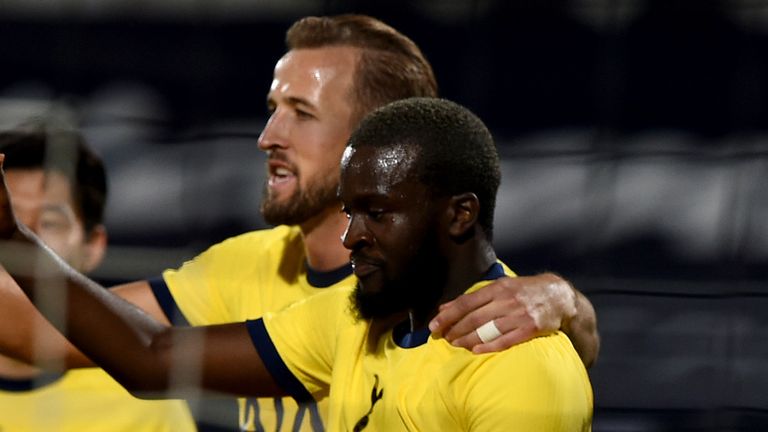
x,y
356,235
275,133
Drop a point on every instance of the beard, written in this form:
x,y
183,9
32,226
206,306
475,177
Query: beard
x,y
302,205
418,288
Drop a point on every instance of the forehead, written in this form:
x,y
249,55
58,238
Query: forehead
x,y
308,70
38,187
377,169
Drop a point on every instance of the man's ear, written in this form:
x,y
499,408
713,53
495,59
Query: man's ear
x,y
95,248
464,210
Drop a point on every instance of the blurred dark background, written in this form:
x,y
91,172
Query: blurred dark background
x,y
633,133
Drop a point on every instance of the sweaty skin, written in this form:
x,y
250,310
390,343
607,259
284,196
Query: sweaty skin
x,y
310,122
142,353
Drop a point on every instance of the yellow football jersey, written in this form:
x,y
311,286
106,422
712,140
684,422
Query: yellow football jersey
x,y
245,277
410,381
85,400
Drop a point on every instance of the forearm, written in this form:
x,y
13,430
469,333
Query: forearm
x,y
114,333
27,336
562,306
582,330
145,356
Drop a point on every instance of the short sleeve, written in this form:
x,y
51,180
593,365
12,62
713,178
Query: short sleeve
x,y
193,289
305,336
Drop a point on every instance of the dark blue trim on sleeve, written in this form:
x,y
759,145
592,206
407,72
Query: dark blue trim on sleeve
x,y
167,303
319,279
29,384
274,363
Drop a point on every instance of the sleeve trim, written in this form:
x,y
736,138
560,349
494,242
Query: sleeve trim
x,y
274,363
167,302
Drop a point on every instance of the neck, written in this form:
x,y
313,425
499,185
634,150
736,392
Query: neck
x,y
322,240
467,265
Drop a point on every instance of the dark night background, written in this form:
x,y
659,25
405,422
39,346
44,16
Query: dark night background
x,y
633,134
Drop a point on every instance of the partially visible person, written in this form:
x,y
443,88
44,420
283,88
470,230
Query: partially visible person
x,y
418,185
337,69
59,191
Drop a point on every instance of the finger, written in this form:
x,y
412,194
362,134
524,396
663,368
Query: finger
x,y
466,317
497,306
505,324
471,321
454,311
509,339
468,340
501,290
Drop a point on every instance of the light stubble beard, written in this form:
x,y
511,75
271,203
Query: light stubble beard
x,y
302,205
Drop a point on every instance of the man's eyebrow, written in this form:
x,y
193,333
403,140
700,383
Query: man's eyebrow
x,y
295,100
370,198
291,100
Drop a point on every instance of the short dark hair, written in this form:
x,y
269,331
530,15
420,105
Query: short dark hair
x,y
391,66
455,151
64,151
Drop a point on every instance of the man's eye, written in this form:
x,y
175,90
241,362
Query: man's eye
x,y
303,115
53,225
375,214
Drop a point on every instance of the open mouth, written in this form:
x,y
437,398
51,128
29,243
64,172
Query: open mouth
x,y
280,173
280,176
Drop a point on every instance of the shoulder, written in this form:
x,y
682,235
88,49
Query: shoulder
x,y
274,241
281,235
545,355
328,301
240,256
325,311
538,383
543,369
543,362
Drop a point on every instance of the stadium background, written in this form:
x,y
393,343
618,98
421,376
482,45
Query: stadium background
x,y
633,133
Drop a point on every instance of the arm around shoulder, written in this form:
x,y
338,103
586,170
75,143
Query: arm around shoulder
x,y
581,328
521,308
554,304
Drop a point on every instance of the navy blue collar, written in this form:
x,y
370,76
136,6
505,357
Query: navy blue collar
x,y
404,338
496,271
320,279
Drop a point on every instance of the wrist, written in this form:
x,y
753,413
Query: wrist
x,y
563,295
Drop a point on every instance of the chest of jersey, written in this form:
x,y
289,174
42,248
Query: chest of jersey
x,y
392,388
